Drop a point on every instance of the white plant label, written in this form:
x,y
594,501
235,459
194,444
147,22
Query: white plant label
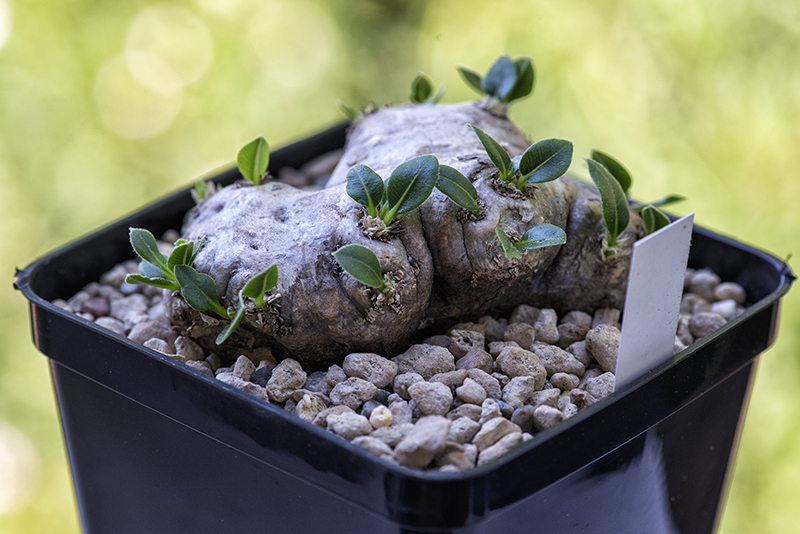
x,y
653,299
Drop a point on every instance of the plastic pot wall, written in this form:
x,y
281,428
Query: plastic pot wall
x,y
155,446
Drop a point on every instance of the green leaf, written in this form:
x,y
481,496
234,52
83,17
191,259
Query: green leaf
x,y
361,263
149,270
144,244
199,290
421,88
617,170
201,188
349,111
525,79
410,184
156,281
496,153
257,286
365,187
253,159
660,203
196,246
500,79
181,255
509,249
654,219
234,324
545,160
457,188
542,235
472,78
613,200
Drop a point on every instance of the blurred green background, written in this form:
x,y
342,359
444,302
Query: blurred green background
x,y
106,106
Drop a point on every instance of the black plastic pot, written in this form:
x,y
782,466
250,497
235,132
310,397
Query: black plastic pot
x,y
156,446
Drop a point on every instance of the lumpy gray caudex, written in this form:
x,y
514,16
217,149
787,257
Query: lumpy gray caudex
x,y
447,266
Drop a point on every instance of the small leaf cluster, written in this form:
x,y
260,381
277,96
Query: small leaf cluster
x,y
506,80
543,161
613,181
363,265
253,159
176,272
422,90
538,236
409,185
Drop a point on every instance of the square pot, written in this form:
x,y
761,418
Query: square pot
x,y
157,446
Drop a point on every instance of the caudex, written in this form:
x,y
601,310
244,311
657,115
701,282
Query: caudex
x,y
419,215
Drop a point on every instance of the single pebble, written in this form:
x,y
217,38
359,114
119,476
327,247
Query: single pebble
x,y
373,445
578,349
380,417
492,328
492,430
522,334
515,361
565,381
401,412
97,306
451,379
352,393
370,367
524,314
496,347
703,282
600,386
692,303
603,343
115,325
556,360
392,435
546,396
322,417
518,391
523,417
161,346
547,326
432,398
470,411
462,430
464,341
425,360
423,442
247,387
471,392
577,317
203,367
725,308
732,291
489,410
309,406
189,349
476,359
705,323
499,448
335,375
244,368
349,425
569,333
286,378
545,417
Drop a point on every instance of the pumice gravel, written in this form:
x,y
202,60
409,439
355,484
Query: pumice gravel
x,y
451,402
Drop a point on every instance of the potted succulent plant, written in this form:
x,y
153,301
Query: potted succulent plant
x,y
426,221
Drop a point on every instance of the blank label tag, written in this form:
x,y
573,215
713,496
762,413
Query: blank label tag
x,y
653,299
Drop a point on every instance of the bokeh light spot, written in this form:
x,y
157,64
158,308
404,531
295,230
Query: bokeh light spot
x,y
173,34
19,467
129,109
5,22
294,42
